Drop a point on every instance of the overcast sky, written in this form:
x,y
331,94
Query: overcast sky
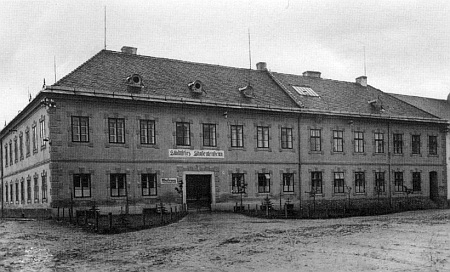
x,y
406,43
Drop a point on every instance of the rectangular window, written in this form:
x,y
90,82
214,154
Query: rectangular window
x,y
29,190
11,192
116,130
360,182
34,138
147,132
237,183
22,192
316,182
415,142
339,184
315,140
183,134
286,138
16,158
263,183
379,142
209,135
398,181
288,182
44,187
17,192
359,142
42,132
36,190
380,185
80,129
82,185
21,146
398,143
338,141
148,184
118,184
10,153
432,145
237,136
27,142
416,182
6,193
6,155
263,137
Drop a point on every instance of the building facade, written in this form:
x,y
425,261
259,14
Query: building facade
x,y
124,132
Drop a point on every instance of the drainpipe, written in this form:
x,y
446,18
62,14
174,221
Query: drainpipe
x,y
389,163
299,165
1,169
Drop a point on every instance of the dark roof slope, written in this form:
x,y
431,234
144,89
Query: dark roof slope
x,y
108,71
437,107
347,97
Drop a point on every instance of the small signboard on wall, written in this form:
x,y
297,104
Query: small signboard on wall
x,y
194,153
169,181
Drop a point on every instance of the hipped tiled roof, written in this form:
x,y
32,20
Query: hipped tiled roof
x,y
437,107
107,71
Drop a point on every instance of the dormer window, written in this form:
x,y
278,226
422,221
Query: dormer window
x,y
247,91
134,82
196,87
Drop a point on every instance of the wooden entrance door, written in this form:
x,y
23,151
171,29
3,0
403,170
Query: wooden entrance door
x,y
434,187
198,191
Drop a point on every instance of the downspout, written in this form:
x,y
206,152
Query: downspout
x,y
389,162
1,169
299,165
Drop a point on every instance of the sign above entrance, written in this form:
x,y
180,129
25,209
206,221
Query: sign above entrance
x,y
194,153
169,181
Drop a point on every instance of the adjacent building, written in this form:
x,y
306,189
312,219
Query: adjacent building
x,y
124,132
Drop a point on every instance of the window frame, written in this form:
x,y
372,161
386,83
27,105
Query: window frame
x,y
288,182
358,137
415,144
116,130
379,142
147,132
147,179
432,145
360,182
286,138
42,132
397,140
183,134
338,141
338,182
237,135
81,179
315,140
316,180
118,179
399,182
209,134
262,137
380,181
416,182
263,183
36,189
79,128
238,183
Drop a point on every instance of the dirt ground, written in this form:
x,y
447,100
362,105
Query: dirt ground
x,y
411,241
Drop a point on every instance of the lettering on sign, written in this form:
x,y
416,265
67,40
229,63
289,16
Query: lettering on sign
x,y
168,180
192,153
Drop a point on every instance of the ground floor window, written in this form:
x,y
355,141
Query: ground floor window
x,y
263,183
416,182
398,181
237,183
339,183
22,192
316,183
29,190
6,193
360,182
17,192
148,184
36,190
118,184
11,192
380,186
82,185
44,187
288,182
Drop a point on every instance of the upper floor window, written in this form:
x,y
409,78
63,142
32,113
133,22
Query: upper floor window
x,y
147,132
118,184
316,182
80,129
359,142
6,155
338,141
148,184
116,130
339,183
360,182
262,137
21,145
35,140
315,140
263,183
416,182
415,142
27,142
209,135
380,185
42,132
16,149
237,136
10,153
82,185
183,133
6,193
288,182
398,181
237,183
286,138
432,145
379,142
398,143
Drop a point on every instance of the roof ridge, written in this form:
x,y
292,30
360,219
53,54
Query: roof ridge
x,y
416,96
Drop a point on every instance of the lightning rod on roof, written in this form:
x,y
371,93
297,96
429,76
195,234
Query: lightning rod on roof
x,y
104,38
249,57
54,66
365,68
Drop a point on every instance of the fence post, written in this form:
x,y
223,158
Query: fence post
x,y
110,220
162,216
285,210
170,213
267,211
96,220
63,215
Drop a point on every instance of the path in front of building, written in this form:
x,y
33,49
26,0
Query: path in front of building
x,y
412,241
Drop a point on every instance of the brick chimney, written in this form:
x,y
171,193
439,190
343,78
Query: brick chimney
x,y
362,80
261,66
129,50
312,74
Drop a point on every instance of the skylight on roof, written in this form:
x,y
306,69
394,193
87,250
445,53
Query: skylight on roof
x,y
306,91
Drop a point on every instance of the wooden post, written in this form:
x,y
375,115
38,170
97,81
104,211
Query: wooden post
x,y
170,213
96,219
267,211
285,210
62,214
70,215
110,220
